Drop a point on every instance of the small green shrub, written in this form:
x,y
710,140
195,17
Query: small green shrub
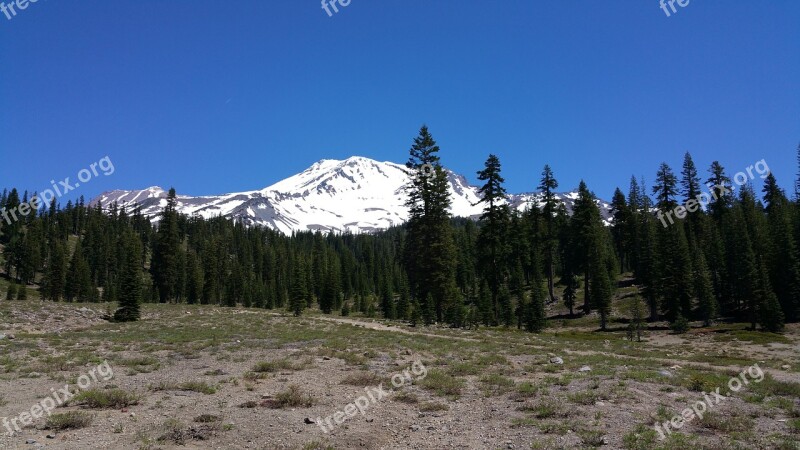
x,y
71,420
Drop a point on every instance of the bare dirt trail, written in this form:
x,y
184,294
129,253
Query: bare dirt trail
x,y
395,329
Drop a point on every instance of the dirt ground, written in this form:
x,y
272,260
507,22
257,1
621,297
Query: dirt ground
x,y
202,377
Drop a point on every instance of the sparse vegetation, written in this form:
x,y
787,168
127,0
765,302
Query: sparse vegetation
x,y
194,386
548,398
442,384
292,397
362,379
104,399
71,420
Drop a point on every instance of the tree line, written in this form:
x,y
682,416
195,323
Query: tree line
x,y
737,259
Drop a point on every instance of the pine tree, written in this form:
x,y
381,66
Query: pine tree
x,y
387,299
78,282
721,189
506,310
782,261
677,284
29,259
536,319
621,227
665,188
332,286
416,313
516,284
11,293
770,316
637,319
492,238
430,254
164,267
690,181
591,252
299,292
429,310
550,203
601,285
194,279
706,302
744,269
690,188
485,309
572,283
648,268
56,271
22,293
130,282
404,302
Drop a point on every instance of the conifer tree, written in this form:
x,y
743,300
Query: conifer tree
x,y
621,227
404,302
492,238
665,188
430,255
571,285
332,286
637,319
770,316
677,284
485,309
387,299
78,281
550,203
165,262
601,284
416,313
506,309
535,317
745,276
690,181
299,291
589,249
194,279
782,260
720,186
56,271
130,282
690,188
706,302
648,258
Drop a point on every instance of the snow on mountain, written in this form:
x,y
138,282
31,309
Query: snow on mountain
x,y
356,195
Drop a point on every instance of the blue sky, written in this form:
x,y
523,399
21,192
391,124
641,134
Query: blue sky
x,y
213,97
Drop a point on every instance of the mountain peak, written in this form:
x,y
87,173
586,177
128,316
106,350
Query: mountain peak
x,y
357,194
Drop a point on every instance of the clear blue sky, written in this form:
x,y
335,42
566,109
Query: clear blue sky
x,y
215,96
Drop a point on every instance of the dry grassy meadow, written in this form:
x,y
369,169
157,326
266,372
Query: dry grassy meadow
x,y
194,377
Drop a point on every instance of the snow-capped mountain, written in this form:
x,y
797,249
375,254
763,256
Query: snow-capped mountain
x,y
357,195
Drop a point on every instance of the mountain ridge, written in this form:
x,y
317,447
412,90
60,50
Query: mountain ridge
x,y
357,194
